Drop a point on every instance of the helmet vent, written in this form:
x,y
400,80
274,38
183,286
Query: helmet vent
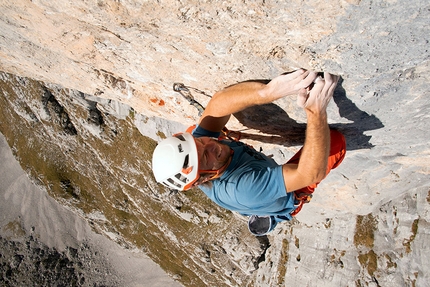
x,y
186,162
181,137
172,182
181,177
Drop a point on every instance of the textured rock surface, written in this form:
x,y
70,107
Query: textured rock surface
x,y
43,243
368,224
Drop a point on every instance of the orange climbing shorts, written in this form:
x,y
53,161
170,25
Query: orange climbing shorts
x,y
337,153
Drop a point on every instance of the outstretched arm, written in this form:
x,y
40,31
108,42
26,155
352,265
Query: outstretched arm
x,y
313,160
246,94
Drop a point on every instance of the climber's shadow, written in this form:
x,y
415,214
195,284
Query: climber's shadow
x,y
279,128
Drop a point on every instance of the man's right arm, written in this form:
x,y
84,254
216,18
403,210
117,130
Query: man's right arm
x,y
313,160
240,96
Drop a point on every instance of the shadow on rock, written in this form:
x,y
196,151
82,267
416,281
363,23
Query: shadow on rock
x,y
361,121
280,129
270,119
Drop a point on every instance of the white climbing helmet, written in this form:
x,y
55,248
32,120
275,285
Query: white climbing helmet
x,y
175,162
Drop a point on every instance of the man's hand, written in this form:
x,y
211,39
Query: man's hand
x,y
289,84
318,97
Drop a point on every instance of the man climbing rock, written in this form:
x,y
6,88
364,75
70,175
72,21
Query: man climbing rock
x,y
237,177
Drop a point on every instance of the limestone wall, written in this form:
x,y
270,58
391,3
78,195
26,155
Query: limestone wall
x,y
133,51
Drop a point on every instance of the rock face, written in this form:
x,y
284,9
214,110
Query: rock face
x,y
31,263
43,243
91,85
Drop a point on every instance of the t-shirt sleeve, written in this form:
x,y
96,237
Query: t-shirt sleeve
x,y
263,187
201,132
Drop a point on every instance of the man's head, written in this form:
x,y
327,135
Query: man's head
x,y
181,162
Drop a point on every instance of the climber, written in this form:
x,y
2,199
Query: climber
x,y
237,177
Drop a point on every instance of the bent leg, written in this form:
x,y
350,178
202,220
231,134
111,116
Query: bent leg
x,y
337,154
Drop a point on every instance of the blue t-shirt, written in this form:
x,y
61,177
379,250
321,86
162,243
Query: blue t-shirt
x,y
252,184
